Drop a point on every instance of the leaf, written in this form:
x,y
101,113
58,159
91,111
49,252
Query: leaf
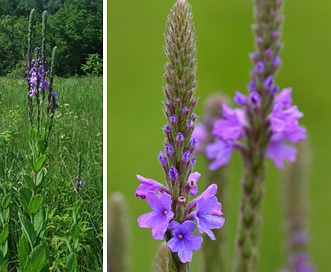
x,y
29,180
37,258
35,203
24,250
40,176
40,222
39,163
25,195
4,234
4,266
74,231
41,146
5,201
27,229
72,261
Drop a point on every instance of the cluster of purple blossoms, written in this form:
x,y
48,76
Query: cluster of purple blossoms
x,y
36,78
203,212
284,127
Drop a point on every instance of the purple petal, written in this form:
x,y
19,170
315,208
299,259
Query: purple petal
x,y
278,152
221,151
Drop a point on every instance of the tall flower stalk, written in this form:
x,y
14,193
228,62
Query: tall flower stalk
x,y
295,209
174,216
261,128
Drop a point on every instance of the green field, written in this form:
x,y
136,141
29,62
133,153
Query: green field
x,y
135,118
74,217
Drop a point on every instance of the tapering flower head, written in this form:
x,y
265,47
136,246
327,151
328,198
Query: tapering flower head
x,y
169,202
158,219
183,241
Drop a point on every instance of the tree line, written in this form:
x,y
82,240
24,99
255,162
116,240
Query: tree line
x,y
74,26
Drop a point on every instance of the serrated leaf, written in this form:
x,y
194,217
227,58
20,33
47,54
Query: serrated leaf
x,y
4,233
25,195
27,229
35,203
24,250
37,258
39,163
40,222
71,261
5,201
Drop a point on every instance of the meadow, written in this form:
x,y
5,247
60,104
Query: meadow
x,y
224,41
69,203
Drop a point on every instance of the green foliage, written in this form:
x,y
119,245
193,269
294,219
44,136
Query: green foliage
x,y
44,207
72,24
93,65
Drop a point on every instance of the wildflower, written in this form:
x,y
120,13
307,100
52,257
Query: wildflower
x,y
159,218
183,241
78,184
208,215
170,202
148,185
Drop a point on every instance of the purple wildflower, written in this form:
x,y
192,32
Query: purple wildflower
x,y
158,219
230,128
208,215
200,135
78,184
183,241
278,151
148,185
192,183
221,151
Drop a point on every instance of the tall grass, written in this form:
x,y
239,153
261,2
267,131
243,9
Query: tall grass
x,y
74,228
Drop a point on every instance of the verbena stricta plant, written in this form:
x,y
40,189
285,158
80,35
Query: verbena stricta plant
x,y
262,127
33,250
175,216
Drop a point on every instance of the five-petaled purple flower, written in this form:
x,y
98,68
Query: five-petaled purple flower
x,y
158,219
183,241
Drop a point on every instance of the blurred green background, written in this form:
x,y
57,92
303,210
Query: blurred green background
x,y
135,118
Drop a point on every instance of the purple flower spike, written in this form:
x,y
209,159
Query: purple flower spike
x,y
158,219
208,215
183,241
148,185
